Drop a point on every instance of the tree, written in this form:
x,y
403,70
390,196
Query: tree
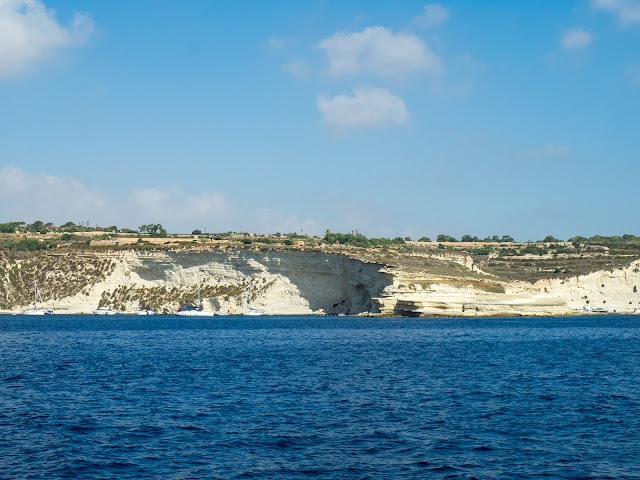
x,y
550,239
7,228
68,227
469,238
196,232
407,238
445,238
37,226
424,239
507,239
153,229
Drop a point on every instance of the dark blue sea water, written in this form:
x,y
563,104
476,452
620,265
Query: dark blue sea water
x,y
315,397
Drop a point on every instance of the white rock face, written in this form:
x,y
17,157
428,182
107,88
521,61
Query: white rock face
x,y
290,282
430,295
306,282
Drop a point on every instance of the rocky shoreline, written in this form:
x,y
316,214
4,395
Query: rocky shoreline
x,y
299,282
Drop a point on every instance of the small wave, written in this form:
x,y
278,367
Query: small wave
x,y
444,468
482,448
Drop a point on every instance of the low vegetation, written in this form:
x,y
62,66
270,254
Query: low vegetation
x,y
69,259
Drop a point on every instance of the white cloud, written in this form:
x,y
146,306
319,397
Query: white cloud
x,y
275,42
272,221
28,197
173,205
576,38
299,70
627,11
549,150
632,72
434,14
368,107
29,32
379,51
25,196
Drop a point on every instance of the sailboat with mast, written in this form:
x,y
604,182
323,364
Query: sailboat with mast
x,y
146,311
35,310
196,311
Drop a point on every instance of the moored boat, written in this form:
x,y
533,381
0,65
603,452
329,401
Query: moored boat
x,y
196,311
103,311
35,310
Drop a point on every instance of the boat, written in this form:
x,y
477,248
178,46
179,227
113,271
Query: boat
x,y
254,312
146,311
35,310
590,309
636,311
599,310
196,311
222,313
103,311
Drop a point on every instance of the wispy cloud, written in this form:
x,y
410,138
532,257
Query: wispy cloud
x,y
549,150
297,69
433,15
367,107
377,50
632,72
173,205
30,33
272,221
576,39
275,42
26,196
627,11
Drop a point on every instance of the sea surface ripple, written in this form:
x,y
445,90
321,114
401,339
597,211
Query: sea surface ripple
x,y
319,397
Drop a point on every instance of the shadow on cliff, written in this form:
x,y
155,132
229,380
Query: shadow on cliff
x,y
329,282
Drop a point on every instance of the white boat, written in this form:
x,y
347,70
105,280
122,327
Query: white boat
x,y
196,311
253,312
35,310
145,311
222,313
636,311
103,311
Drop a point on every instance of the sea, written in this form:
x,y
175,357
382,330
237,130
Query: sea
x,y
166,397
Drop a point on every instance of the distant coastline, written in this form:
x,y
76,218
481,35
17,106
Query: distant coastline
x,y
295,274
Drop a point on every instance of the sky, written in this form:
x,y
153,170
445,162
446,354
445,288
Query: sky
x,y
389,118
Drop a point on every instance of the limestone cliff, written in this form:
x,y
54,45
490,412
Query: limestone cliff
x,y
299,282
286,282
422,294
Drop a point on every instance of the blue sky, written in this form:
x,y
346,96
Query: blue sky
x,y
392,118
